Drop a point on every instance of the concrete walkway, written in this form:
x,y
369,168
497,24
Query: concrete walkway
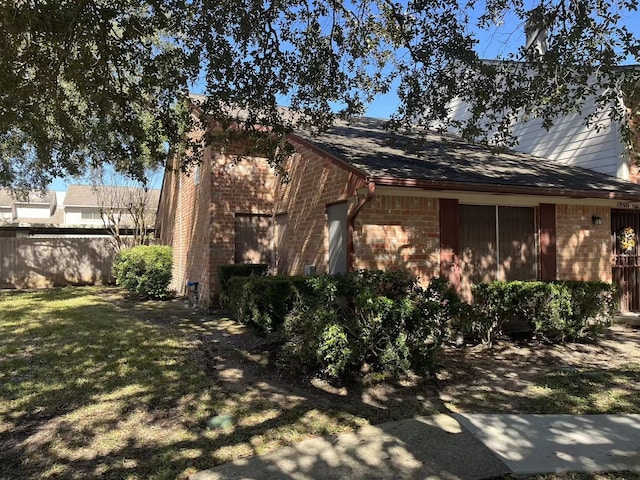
x,y
464,447
559,443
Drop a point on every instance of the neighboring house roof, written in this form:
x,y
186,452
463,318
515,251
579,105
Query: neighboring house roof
x,y
446,162
86,195
37,198
7,198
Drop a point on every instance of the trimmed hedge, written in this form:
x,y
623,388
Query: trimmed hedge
x,y
558,311
227,272
144,270
263,301
366,321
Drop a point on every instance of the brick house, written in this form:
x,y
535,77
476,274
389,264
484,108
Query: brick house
x,y
360,197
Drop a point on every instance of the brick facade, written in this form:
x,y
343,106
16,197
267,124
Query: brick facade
x,y
197,217
243,186
314,183
583,249
197,214
183,222
398,232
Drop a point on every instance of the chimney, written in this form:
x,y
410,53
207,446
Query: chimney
x,y
536,34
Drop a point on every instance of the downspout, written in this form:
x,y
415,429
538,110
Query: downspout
x,y
351,221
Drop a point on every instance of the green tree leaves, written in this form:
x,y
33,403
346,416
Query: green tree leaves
x,y
93,82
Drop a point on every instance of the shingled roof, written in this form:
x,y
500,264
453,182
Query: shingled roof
x,y
446,162
85,195
7,197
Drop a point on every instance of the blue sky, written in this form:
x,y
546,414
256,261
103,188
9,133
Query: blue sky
x,y
493,43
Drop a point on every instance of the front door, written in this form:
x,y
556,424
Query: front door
x,y
625,225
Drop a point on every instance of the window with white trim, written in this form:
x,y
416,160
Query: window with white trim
x,y
90,214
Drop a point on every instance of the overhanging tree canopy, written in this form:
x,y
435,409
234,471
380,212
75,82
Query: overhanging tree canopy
x,y
87,82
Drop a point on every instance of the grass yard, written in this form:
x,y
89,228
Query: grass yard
x,y
87,390
93,384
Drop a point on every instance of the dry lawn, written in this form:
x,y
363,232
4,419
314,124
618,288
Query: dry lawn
x,y
94,384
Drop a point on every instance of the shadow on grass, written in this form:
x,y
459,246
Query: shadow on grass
x,y
588,392
600,377
94,384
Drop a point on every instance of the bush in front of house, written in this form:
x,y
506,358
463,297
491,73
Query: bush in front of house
x,y
263,301
538,305
227,272
351,323
593,306
144,270
557,311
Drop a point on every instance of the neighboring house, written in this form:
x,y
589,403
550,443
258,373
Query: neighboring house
x,y
360,197
33,207
597,146
80,206
86,204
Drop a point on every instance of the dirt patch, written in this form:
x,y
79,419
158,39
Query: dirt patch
x,y
514,377
243,362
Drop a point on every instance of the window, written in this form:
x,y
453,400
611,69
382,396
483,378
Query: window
x,y
496,243
253,238
90,215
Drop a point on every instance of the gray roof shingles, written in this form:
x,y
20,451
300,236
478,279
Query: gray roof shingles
x,y
7,198
85,195
367,146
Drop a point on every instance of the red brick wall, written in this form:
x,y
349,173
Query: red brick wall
x,y
237,186
183,221
583,249
397,232
198,221
314,182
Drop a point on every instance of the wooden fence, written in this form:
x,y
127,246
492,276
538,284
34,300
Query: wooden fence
x,y
47,262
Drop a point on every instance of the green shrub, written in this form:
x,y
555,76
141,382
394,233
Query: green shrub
x,y
227,272
263,301
144,270
492,308
366,320
593,306
557,311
